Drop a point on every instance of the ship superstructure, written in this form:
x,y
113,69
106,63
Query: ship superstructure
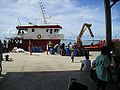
x,y
39,35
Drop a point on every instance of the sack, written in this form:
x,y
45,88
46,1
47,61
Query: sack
x,y
74,85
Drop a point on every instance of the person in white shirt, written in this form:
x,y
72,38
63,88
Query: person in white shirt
x,y
47,48
86,64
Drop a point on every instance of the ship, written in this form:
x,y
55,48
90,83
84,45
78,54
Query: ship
x,y
39,35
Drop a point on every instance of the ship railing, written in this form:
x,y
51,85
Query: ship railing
x,y
50,36
34,36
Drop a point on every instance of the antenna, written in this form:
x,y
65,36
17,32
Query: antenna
x,y
43,12
19,21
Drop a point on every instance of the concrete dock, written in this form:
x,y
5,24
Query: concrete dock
x,y
44,72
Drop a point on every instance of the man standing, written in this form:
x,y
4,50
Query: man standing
x,y
102,69
1,57
47,48
30,46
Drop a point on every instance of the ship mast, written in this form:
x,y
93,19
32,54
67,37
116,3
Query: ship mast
x,y
19,21
43,12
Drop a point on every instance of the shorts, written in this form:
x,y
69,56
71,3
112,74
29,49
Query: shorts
x,y
101,83
72,57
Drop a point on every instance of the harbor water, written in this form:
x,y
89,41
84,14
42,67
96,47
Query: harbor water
x,y
84,42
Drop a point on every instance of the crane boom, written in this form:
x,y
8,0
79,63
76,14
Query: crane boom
x,y
43,12
84,27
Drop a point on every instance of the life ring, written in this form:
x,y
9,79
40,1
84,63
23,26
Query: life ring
x,y
39,36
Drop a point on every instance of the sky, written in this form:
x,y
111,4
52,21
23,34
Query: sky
x,y
70,14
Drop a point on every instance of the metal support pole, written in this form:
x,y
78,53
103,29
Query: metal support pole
x,y
108,24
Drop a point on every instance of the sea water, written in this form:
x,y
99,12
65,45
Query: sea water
x,y
84,42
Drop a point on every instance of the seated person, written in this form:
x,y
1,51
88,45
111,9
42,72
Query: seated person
x,y
86,64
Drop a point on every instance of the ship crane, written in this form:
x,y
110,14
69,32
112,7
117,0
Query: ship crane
x,y
84,27
43,12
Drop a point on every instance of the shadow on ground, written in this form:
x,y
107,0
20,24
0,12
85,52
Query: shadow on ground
x,y
47,80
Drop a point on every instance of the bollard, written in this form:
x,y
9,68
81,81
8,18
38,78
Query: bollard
x,y
7,57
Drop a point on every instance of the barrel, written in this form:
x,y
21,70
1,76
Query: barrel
x,y
36,49
75,52
40,49
33,49
67,50
52,51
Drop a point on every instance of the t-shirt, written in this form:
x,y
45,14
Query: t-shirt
x,y
87,65
102,62
47,47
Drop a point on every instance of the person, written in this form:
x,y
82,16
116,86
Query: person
x,y
49,45
102,68
72,56
30,47
69,44
55,48
1,57
86,64
62,49
47,48
74,46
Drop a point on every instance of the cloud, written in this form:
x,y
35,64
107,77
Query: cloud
x,y
72,19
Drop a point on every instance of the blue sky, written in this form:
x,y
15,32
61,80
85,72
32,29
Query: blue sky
x,y
71,14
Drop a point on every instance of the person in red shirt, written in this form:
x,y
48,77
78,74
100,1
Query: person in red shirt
x,y
30,47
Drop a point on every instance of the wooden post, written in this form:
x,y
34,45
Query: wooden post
x,y
108,24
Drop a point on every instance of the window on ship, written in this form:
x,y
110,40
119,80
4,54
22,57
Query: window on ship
x,y
20,41
55,30
47,30
26,30
19,32
33,30
22,32
50,31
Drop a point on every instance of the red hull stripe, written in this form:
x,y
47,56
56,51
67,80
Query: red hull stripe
x,y
47,26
